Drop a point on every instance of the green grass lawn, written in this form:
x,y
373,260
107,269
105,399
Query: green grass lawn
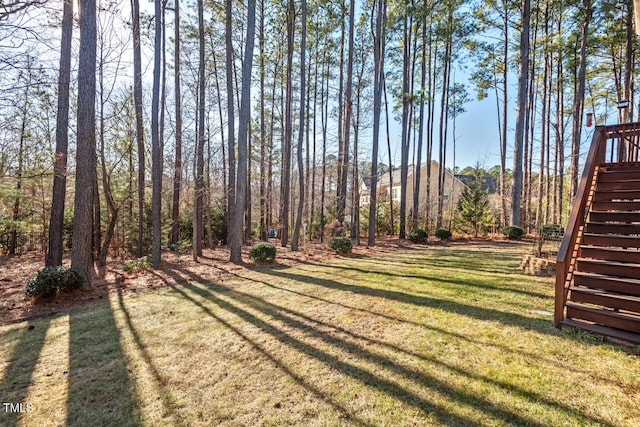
x,y
420,336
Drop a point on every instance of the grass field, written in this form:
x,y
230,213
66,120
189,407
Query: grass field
x,y
420,336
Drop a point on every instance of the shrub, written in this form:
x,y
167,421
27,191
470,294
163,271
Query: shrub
x,y
443,234
181,247
137,264
50,279
263,252
341,244
513,232
417,235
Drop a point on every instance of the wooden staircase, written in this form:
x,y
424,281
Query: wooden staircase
x,y
598,266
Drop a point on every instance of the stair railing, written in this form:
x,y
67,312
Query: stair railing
x,y
568,252
621,143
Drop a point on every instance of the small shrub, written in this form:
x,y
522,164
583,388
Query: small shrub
x,y
417,235
263,252
181,247
50,279
443,234
513,232
137,264
341,244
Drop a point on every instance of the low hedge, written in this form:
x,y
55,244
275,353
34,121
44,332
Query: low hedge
x,y
263,252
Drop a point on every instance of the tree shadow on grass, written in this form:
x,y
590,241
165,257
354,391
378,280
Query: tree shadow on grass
x,y
370,378
480,313
18,374
168,402
344,411
100,390
465,283
319,328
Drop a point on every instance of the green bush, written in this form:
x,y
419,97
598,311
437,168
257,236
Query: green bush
x,y
417,235
341,244
513,232
50,279
443,234
181,247
263,252
137,264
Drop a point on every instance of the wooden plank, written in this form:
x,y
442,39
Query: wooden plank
x,y
610,318
605,299
617,194
607,283
617,185
616,205
605,216
618,175
613,228
603,330
609,268
611,240
611,254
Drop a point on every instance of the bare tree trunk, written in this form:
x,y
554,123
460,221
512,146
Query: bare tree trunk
x,y
231,146
156,144
303,86
177,166
523,73
235,233
263,137
81,258
198,203
137,99
54,254
286,157
578,101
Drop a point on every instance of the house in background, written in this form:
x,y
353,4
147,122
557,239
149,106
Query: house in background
x,y
453,188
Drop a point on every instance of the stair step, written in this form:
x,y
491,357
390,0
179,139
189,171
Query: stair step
x,y
606,216
614,319
621,194
615,205
603,330
613,228
607,283
610,268
608,174
605,299
618,240
620,167
611,254
617,185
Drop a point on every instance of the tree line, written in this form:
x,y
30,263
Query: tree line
x,y
192,126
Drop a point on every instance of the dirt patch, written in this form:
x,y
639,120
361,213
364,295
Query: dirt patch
x,y
177,268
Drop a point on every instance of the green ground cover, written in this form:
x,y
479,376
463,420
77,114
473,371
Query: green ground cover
x,y
427,336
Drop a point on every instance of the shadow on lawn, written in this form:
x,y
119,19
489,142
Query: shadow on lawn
x,y
17,378
318,329
464,283
168,402
100,389
480,313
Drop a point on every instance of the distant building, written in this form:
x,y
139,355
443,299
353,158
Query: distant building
x,y
453,188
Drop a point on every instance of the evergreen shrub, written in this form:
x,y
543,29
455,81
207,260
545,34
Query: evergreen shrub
x,y
443,234
263,252
417,235
513,232
50,279
341,244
